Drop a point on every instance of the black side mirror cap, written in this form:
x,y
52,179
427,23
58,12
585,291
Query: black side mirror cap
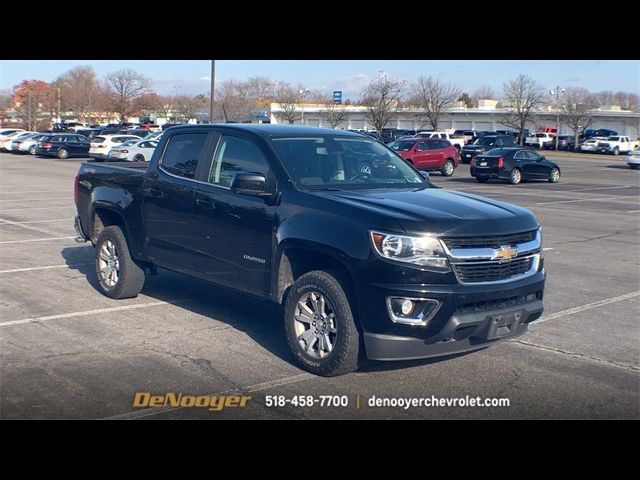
x,y
252,184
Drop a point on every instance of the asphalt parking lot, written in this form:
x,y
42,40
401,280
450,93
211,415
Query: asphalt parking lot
x,y
69,352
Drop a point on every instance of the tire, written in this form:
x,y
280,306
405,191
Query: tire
x,y
447,169
482,179
138,158
515,177
634,166
62,153
32,150
554,175
616,151
340,355
112,248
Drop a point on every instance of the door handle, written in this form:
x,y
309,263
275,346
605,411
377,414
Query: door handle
x,y
205,203
154,192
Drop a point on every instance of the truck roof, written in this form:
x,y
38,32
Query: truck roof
x,y
268,130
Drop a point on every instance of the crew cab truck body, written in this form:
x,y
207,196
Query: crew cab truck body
x,y
617,145
366,256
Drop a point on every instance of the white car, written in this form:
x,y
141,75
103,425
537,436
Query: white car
x,y
27,144
591,145
633,159
538,139
8,131
134,150
102,145
11,145
5,140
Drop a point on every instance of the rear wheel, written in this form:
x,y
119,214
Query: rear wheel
x,y
447,169
138,158
32,150
319,325
482,179
515,177
62,153
118,275
554,175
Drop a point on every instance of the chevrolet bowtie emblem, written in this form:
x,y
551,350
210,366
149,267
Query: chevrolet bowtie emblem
x,y
505,253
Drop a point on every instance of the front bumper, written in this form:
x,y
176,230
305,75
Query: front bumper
x,y
462,333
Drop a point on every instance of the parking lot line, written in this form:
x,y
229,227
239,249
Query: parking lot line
x,y
83,313
36,240
633,211
28,227
33,199
595,199
30,192
68,219
16,270
588,306
35,208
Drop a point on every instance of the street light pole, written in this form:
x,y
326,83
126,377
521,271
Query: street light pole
x,y
557,93
213,85
302,94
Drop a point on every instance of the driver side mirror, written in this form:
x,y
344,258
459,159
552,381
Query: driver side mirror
x,y
251,184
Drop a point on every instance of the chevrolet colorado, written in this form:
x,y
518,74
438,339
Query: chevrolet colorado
x,y
366,256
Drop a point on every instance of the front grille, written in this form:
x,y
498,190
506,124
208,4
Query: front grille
x,y
496,304
473,272
493,241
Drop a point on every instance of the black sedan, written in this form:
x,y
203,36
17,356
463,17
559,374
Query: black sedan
x,y
515,165
565,142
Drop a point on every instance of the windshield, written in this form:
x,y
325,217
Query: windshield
x,y
485,141
401,145
345,163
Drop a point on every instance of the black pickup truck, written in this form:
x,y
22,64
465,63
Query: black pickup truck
x,y
366,255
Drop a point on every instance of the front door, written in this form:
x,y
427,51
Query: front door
x,y
233,233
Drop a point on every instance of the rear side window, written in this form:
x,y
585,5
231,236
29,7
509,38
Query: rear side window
x,y
181,155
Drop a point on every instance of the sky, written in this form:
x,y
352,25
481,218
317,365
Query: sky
x,y
192,77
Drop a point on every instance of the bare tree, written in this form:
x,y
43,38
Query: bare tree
x,y
80,91
484,92
232,97
627,100
126,85
433,97
604,97
381,98
522,96
260,90
186,106
289,98
331,112
5,100
577,106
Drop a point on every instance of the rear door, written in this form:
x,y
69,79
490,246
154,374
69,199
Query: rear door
x,y
168,201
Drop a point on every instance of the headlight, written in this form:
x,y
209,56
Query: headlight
x,y
423,251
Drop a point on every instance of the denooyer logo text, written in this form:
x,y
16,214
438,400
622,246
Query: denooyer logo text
x,y
215,403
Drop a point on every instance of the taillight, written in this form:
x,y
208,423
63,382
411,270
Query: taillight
x,y
75,190
47,145
124,151
500,162
473,162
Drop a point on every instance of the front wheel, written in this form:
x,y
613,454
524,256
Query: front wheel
x,y
554,175
447,169
118,275
63,153
616,151
515,177
320,327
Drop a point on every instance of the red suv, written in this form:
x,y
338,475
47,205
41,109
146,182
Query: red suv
x,y
428,154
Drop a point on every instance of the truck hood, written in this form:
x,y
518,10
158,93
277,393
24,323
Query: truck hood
x,y
440,211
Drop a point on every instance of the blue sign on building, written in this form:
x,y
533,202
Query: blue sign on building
x,y
337,97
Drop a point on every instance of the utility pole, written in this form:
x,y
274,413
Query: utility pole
x,y
59,116
557,93
29,127
213,86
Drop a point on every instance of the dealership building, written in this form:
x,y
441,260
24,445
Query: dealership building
x,y
486,117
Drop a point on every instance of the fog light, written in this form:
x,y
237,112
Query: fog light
x,y
407,307
412,311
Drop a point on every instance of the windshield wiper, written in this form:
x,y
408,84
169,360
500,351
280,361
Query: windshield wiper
x,y
325,189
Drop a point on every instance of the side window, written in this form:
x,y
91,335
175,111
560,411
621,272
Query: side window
x,y
423,146
235,155
181,155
